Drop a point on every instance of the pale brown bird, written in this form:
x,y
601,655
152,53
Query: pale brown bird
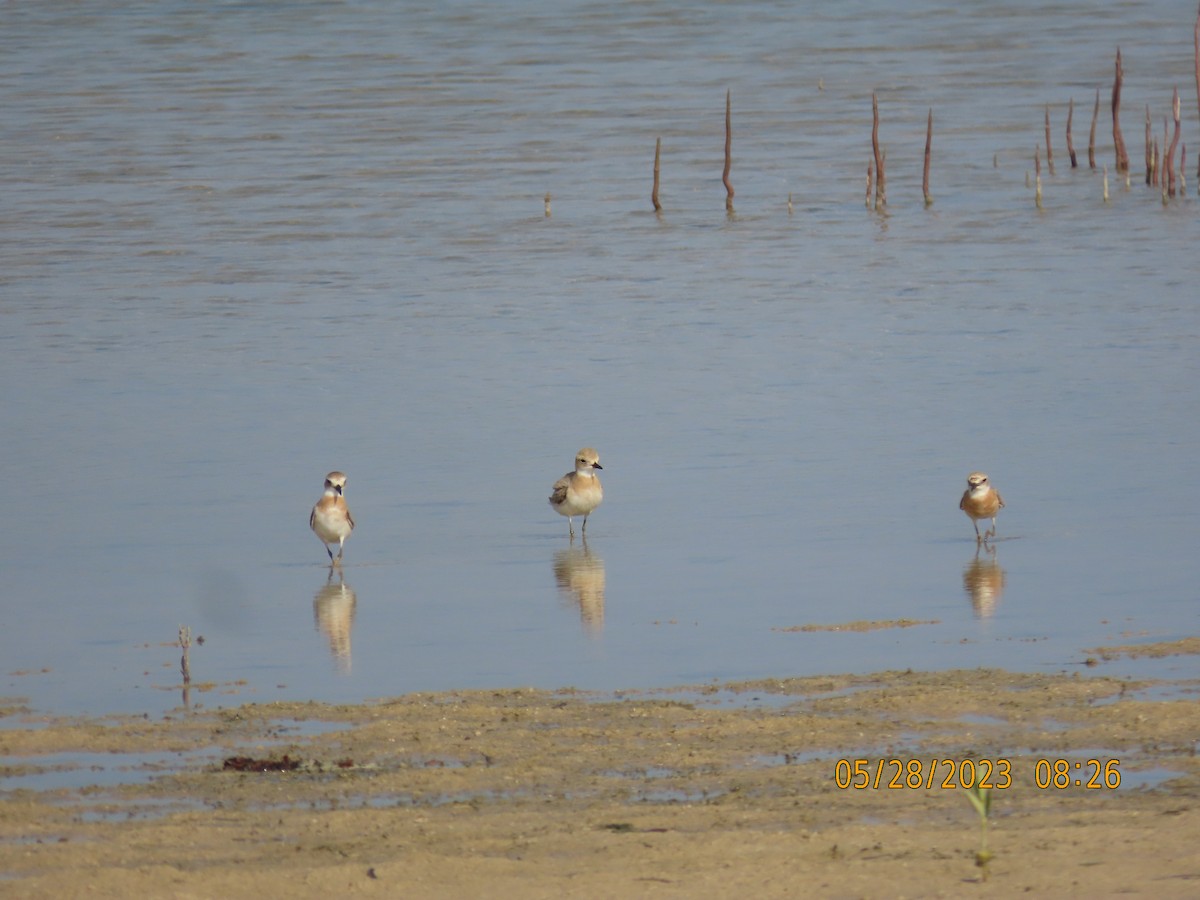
x,y
330,519
578,493
981,501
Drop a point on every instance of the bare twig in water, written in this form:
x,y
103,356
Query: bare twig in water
x,y
1163,163
1174,144
654,190
1149,149
546,201
185,644
1118,140
1070,143
880,176
728,152
1037,170
928,146
1049,151
1106,184
1092,135
1196,42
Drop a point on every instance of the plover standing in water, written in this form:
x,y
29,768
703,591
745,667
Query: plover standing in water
x,y
981,501
330,519
578,493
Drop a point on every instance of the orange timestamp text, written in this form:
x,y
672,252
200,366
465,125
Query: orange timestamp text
x,y
984,774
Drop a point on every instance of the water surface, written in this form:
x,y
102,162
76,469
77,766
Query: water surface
x,y
246,243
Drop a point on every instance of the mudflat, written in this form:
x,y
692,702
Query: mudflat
x,y
840,786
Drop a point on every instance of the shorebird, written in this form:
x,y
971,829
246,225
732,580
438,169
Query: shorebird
x,y
330,519
578,493
981,501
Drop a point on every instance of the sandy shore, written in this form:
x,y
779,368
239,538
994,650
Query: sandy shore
x,y
700,792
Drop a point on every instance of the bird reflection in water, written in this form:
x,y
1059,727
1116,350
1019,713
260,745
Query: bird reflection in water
x,y
333,614
983,580
580,577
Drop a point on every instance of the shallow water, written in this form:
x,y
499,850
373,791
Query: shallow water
x,y
244,244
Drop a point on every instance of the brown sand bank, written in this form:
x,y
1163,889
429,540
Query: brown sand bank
x,y
523,793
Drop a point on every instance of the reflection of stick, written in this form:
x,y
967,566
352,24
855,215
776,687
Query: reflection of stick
x,y
1070,144
928,145
880,177
728,152
654,192
1049,152
1092,136
1118,140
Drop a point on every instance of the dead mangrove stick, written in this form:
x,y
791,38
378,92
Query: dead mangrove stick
x,y
1118,140
1037,169
185,644
728,151
1049,151
928,147
1092,136
654,190
1196,41
1163,178
880,176
1174,144
1149,149
1070,143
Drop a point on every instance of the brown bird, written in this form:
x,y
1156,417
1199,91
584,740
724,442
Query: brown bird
x,y
981,501
578,493
330,519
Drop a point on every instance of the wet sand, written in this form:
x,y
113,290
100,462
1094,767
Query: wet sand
x,y
698,792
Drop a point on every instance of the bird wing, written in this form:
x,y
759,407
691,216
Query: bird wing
x,y
999,499
350,518
559,493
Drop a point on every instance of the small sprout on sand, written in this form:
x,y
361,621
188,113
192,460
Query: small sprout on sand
x,y
981,799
